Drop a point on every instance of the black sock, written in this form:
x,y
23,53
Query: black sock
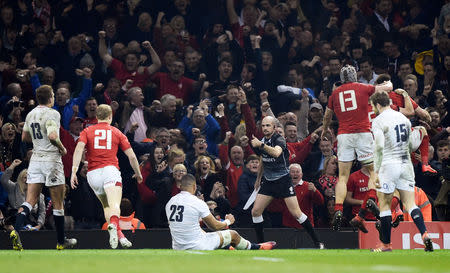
x,y
309,228
254,246
362,213
259,228
386,229
59,224
417,217
21,218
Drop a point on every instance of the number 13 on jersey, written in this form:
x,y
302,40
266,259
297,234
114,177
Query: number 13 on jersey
x,y
349,97
102,139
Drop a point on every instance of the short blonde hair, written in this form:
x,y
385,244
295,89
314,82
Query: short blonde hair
x,y
174,153
179,167
103,111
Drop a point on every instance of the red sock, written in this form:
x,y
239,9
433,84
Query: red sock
x,y
371,194
338,207
120,234
423,148
115,221
394,203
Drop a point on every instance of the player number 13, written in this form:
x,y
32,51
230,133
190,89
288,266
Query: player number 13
x,y
351,99
102,135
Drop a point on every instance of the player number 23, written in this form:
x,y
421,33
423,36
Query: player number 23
x,y
349,97
101,135
177,213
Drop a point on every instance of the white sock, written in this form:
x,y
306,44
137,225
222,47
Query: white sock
x,y
302,218
243,244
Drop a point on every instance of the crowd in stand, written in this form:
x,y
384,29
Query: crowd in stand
x,y
189,82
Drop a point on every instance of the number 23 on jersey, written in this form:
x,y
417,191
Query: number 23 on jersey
x,y
102,139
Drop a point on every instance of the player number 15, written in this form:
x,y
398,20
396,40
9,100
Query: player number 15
x,y
101,135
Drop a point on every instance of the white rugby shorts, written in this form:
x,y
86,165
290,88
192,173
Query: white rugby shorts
x,y
102,178
396,176
44,172
211,241
357,145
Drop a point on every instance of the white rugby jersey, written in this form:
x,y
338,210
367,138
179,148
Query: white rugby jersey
x,y
35,122
184,211
392,129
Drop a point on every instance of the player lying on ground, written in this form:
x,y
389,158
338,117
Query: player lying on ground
x,y
393,168
46,167
102,142
184,211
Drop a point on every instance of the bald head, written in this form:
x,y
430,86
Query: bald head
x,y
268,126
188,183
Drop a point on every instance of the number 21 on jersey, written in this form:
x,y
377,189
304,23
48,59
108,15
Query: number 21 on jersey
x,y
350,97
102,139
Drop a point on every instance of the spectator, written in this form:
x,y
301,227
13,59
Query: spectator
x,y
206,175
129,70
16,195
127,220
307,196
327,181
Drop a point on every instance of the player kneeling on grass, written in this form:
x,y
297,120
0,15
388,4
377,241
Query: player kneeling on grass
x,y
184,211
102,142
393,168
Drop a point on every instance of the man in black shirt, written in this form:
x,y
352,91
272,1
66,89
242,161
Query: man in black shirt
x,y
274,181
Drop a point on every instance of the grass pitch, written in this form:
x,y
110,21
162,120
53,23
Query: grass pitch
x,y
149,260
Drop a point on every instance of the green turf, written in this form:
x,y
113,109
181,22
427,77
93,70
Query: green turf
x,y
79,261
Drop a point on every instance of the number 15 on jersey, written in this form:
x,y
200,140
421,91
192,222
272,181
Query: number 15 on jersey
x,y
102,139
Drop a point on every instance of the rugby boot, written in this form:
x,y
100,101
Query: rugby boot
x,y
337,220
267,245
15,240
358,223
427,242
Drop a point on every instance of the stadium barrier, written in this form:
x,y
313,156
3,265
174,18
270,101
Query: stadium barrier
x,y
160,238
407,236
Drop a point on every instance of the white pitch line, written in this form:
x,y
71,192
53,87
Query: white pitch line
x,y
268,259
195,252
392,268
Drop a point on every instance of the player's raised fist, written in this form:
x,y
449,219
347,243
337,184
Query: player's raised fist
x,y
101,34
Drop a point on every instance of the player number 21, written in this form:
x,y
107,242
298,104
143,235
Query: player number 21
x,y
351,99
102,135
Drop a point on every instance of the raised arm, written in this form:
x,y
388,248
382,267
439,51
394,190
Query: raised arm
x,y
156,61
102,49
409,109
232,15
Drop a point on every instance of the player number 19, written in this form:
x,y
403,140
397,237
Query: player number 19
x,y
351,99
102,135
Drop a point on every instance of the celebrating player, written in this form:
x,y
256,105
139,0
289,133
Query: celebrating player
x,y
102,142
46,167
393,168
349,103
184,211
274,181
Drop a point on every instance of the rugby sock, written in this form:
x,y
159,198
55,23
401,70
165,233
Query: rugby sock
x,y
386,226
362,212
423,148
22,216
394,203
304,221
371,194
58,216
417,217
338,207
244,244
115,221
258,223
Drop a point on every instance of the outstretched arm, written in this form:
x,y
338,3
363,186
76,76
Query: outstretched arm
x,y
156,61
134,164
102,49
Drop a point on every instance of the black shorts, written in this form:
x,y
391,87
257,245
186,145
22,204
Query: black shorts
x,y
279,188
